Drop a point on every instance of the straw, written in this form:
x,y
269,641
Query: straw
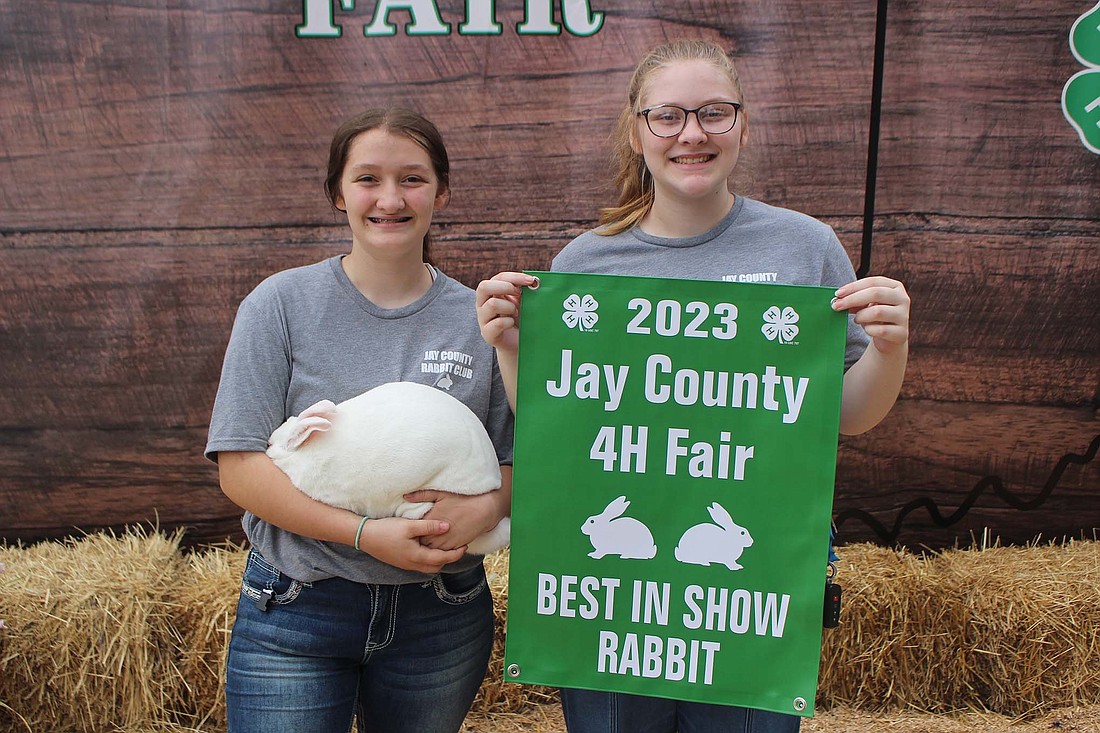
x,y
108,633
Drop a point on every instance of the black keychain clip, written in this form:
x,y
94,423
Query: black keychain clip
x,y
830,616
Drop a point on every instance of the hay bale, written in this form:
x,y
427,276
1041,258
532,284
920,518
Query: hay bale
x,y
109,633
1034,625
495,695
882,652
1014,630
207,606
89,642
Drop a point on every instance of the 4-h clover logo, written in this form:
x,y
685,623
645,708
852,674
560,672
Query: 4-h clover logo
x,y
580,312
779,324
1081,94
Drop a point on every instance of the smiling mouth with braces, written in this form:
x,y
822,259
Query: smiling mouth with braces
x,y
688,159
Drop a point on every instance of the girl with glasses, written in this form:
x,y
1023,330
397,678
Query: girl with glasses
x,y
388,620
676,144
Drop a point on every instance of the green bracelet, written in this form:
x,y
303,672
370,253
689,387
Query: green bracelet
x,y
359,532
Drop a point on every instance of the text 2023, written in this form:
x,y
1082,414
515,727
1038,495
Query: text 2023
x,y
694,320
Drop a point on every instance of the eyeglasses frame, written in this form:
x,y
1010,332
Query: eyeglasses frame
x,y
645,113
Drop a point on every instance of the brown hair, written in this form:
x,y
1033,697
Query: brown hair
x,y
632,178
397,120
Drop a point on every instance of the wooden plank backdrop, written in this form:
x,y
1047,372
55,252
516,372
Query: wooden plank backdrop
x,y
160,160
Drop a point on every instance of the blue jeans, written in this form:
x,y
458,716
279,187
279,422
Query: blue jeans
x,y
401,658
616,712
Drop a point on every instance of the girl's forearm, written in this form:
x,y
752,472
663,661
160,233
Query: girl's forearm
x,y
253,482
508,361
871,387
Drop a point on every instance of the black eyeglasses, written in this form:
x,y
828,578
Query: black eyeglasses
x,y
669,120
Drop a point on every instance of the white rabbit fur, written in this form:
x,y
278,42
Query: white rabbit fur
x,y
721,543
613,534
365,453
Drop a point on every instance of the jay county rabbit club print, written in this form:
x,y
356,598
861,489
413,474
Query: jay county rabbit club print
x,y
675,453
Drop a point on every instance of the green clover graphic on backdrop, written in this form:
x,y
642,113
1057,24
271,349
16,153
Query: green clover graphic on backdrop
x,y
1081,94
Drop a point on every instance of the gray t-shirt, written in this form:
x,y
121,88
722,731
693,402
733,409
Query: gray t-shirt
x,y
308,334
755,242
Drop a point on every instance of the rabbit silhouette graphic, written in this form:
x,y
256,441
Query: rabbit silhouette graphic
x,y
720,543
613,534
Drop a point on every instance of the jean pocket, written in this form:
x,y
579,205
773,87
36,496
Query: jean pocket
x,y
264,582
462,587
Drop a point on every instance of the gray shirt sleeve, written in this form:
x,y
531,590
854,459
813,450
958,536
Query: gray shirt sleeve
x,y
251,398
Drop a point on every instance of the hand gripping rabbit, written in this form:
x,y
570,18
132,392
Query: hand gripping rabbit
x,y
365,453
613,534
722,543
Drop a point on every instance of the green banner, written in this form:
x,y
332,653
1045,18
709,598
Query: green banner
x,y
675,454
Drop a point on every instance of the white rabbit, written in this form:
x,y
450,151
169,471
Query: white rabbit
x,y
365,453
704,544
613,534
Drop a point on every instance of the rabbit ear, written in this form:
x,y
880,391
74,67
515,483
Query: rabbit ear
x,y
721,517
323,408
304,428
615,508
